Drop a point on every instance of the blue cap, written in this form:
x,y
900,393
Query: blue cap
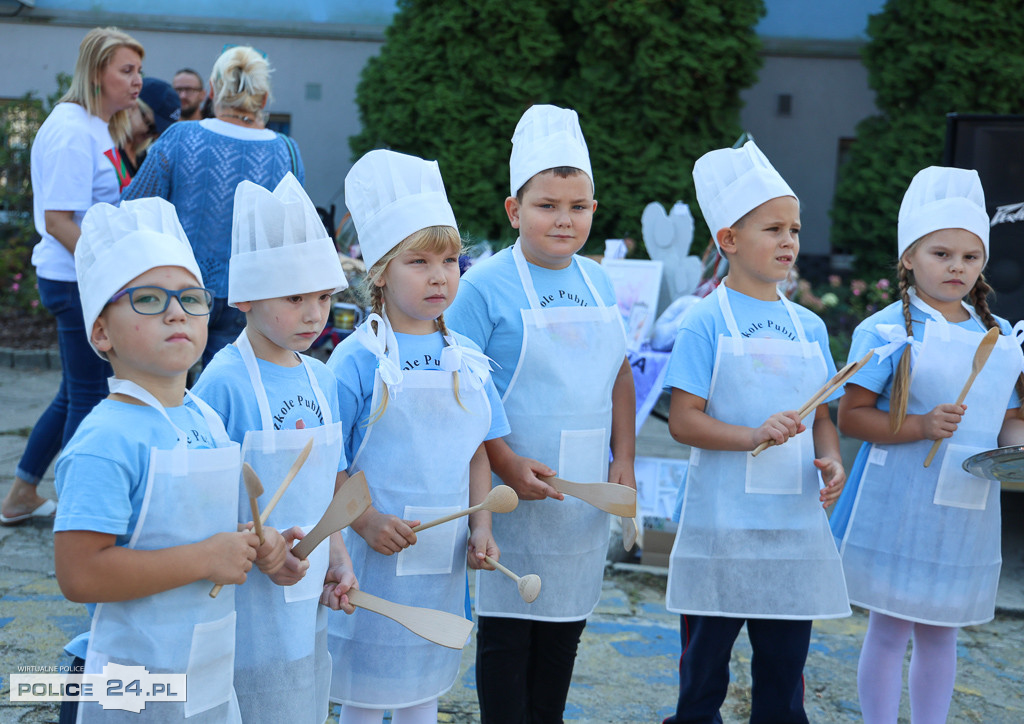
x,y
162,98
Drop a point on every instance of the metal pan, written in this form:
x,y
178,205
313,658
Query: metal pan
x,y
1005,464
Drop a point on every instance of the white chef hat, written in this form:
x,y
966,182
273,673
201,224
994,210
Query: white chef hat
x,y
547,137
118,243
943,198
392,195
731,182
279,246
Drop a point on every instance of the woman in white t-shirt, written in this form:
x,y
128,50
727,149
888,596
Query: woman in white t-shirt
x,y
75,164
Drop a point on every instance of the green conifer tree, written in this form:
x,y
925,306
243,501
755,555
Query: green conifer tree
x,y
926,58
656,84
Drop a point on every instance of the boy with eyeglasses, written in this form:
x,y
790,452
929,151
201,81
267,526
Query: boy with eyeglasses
x,y
149,482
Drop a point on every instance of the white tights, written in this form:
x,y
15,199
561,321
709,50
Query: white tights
x,y
425,713
880,670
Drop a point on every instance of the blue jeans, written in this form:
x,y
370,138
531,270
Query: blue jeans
x,y
226,323
83,382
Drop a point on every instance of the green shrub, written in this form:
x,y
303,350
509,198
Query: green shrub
x,y
656,85
19,122
926,58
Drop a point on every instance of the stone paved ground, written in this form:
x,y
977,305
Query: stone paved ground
x,y
626,669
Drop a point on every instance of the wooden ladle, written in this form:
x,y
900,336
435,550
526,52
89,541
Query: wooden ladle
x,y
529,585
501,499
351,500
609,497
440,627
981,355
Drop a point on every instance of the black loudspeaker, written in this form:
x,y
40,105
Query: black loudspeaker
x,y
994,147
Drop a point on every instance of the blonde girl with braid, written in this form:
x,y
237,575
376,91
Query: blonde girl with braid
x,y
418,403
921,545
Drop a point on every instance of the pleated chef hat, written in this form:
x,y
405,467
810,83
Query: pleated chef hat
x,y
392,195
547,137
732,182
279,246
118,243
943,198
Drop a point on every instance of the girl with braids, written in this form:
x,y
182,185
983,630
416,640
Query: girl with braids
x,y
418,403
920,545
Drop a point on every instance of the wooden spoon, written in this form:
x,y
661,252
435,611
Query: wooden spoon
x,y
529,585
609,497
351,500
296,466
838,380
440,627
260,519
501,499
981,355
254,488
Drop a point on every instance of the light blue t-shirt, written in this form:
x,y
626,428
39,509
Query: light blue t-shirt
x,y
693,355
355,367
487,308
225,386
102,473
877,375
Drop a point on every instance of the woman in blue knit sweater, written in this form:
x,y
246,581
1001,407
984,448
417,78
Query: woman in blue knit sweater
x,y
196,165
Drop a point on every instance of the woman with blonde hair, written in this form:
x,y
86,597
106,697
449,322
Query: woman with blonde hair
x,y
196,166
75,164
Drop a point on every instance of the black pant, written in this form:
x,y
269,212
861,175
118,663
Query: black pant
x,y
523,669
776,669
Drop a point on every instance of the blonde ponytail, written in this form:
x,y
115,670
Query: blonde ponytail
x,y
901,380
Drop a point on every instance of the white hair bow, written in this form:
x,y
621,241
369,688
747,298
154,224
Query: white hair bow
x,y
897,339
384,346
475,366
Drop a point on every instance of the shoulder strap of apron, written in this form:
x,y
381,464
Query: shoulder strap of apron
x,y
527,281
180,462
384,346
256,380
730,320
936,315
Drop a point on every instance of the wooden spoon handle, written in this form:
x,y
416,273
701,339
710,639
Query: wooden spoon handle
x,y
959,401
440,627
446,518
837,381
296,466
501,568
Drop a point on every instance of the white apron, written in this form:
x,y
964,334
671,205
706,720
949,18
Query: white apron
x,y
923,544
190,496
559,405
282,667
416,460
753,540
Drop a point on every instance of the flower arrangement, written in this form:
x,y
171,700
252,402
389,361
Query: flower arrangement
x,y
843,305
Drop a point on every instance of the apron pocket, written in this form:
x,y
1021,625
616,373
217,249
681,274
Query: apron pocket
x,y
583,456
776,471
312,584
434,551
957,488
211,665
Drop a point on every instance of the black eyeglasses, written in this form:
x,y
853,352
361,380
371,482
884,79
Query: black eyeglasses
x,y
155,300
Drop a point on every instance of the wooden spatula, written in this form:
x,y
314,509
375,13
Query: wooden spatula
x,y
351,500
609,497
440,627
